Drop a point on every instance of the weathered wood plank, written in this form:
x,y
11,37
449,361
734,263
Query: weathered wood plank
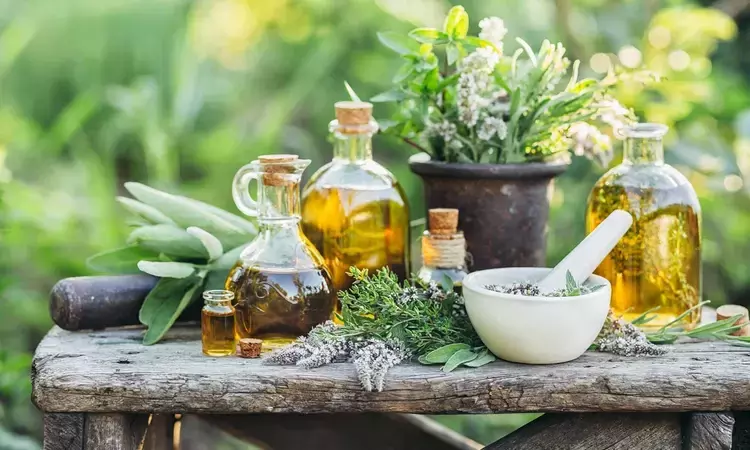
x,y
708,431
111,371
595,432
341,432
63,431
114,431
160,434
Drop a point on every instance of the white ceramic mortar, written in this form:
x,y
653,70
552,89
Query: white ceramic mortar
x,y
534,330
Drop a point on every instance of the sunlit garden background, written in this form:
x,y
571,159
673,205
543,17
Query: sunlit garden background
x,y
179,94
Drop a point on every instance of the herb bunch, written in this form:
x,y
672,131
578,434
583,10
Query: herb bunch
x,y
460,98
386,322
188,244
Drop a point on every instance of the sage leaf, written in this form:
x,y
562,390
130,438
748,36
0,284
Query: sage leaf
x,y
228,259
570,282
166,269
210,242
168,239
187,213
164,304
398,43
484,357
443,354
216,279
245,225
148,213
121,260
458,358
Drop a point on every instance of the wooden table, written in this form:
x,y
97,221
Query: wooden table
x,y
98,390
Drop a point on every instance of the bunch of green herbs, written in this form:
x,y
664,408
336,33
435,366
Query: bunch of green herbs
x,y
460,98
188,244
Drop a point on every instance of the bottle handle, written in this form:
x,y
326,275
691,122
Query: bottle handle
x,y
241,190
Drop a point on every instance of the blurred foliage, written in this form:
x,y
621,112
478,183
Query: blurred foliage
x,y
181,93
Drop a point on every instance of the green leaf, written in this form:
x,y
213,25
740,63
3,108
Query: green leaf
x,y
451,53
121,260
166,269
458,358
484,357
398,43
245,225
448,81
447,283
353,95
429,36
389,96
216,279
477,42
662,338
529,52
570,282
164,304
148,213
444,353
720,326
431,80
210,242
403,72
645,318
167,239
456,23
228,259
187,213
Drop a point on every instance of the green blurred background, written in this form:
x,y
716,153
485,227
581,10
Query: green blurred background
x,y
181,93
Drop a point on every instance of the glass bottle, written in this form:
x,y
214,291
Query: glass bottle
x,y
658,261
280,282
217,323
443,249
353,209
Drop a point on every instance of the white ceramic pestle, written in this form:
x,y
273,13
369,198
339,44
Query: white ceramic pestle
x,y
584,259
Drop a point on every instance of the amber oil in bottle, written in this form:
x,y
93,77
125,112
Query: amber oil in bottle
x,y
217,323
353,209
658,261
281,284
443,249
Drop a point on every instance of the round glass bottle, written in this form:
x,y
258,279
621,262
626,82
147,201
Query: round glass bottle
x,y
658,261
217,323
353,209
280,282
443,249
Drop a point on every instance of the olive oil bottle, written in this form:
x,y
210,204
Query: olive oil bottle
x,y
353,209
658,261
281,285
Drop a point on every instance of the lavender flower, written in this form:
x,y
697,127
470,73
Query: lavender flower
x,y
374,358
474,89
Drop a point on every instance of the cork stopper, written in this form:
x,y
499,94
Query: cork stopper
x,y
275,167
249,348
353,117
443,221
727,311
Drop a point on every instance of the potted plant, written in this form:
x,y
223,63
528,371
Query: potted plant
x,y
493,130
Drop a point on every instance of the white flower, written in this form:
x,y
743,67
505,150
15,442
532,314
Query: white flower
x,y
553,57
444,129
588,141
490,127
483,60
493,30
613,113
475,84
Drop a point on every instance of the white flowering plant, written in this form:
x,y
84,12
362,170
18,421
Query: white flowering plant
x,y
478,105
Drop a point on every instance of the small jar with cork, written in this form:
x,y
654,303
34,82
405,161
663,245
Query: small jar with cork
x,y
443,249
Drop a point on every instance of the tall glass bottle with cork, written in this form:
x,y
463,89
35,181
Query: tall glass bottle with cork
x,y
353,209
443,249
281,285
658,262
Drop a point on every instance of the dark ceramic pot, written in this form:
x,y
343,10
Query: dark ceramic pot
x,y
503,208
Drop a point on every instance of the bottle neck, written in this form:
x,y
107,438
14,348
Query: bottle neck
x,y
444,252
278,204
352,147
643,151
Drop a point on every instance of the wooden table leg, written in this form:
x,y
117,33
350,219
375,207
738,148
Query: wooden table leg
x,y
741,431
77,431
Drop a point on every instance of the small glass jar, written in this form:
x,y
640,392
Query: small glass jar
x,y
217,323
443,249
